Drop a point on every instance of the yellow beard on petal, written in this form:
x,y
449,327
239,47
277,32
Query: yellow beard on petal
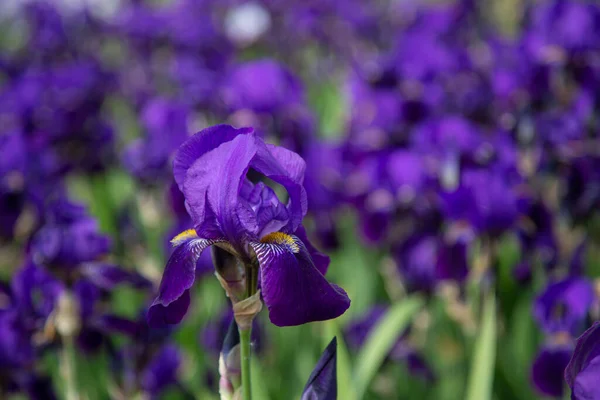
x,y
184,237
282,239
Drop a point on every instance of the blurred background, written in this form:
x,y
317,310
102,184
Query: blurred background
x,y
453,177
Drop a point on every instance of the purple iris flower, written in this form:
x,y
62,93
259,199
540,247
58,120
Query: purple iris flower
x,y
548,370
69,237
322,383
263,86
165,125
424,261
487,200
570,25
183,222
582,187
584,368
564,305
323,183
161,371
250,223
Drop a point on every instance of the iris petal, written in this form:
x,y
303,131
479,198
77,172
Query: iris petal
x,y
213,182
173,297
293,289
199,144
322,384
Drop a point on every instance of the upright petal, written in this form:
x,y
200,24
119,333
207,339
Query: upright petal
x,y
294,290
199,144
173,298
286,168
322,384
212,184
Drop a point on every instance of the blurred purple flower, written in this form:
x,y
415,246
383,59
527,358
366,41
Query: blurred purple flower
x,y
69,237
263,86
486,200
564,305
165,128
548,369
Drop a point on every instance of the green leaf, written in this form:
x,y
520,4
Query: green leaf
x,y
381,340
481,378
259,388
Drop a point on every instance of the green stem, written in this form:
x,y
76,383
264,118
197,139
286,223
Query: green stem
x,y
69,370
245,363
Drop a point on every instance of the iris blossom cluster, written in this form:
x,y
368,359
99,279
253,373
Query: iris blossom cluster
x,y
442,152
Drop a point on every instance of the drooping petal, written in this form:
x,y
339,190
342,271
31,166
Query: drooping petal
x,y
293,289
320,260
173,297
322,384
199,144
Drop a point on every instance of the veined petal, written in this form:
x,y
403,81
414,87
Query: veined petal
x,y
199,144
322,384
294,290
173,298
320,260
212,185
286,168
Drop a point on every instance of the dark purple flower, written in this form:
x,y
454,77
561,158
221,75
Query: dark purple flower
x,y
35,292
548,369
161,371
584,367
566,24
536,233
69,237
357,331
323,184
582,187
263,86
249,222
486,200
322,383
564,305
165,128
424,261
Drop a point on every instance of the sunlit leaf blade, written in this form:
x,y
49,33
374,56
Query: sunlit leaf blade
x,y
481,377
259,387
381,340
